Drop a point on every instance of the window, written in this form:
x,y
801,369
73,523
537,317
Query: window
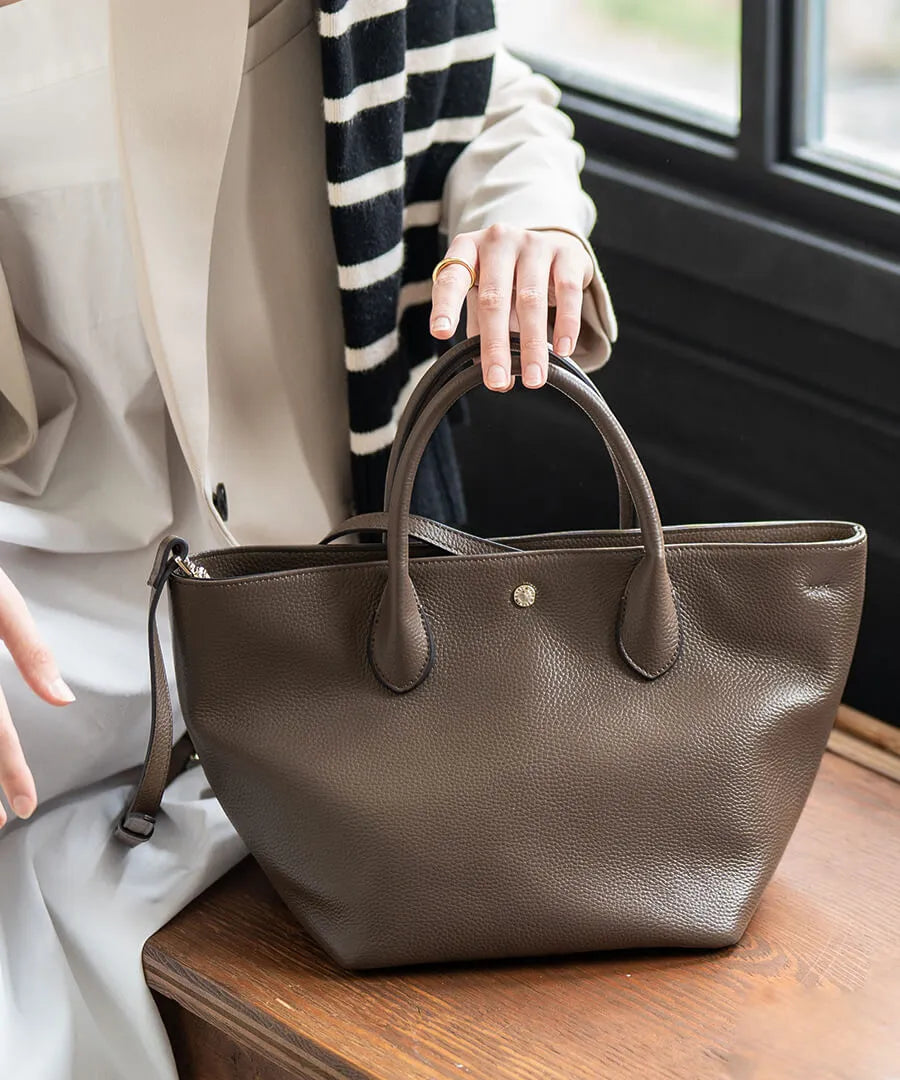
x,y
681,57
852,75
791,106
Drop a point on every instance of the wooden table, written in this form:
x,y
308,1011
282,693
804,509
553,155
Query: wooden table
x,y
812,991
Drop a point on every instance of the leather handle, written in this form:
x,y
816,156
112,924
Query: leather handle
x,y
446,537
438,375
648,632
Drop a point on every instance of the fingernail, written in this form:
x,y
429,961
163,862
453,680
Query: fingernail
x,y
565,346
59,690
441,323
23,806
497,376
533,375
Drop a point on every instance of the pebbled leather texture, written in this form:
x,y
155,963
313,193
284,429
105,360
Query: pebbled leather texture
x,y
534,793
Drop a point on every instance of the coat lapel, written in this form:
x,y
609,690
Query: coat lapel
x,y
176,71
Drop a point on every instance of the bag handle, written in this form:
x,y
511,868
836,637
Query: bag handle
x,y
455,541
438,375
401,646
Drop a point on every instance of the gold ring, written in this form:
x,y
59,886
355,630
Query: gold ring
x,y
454,262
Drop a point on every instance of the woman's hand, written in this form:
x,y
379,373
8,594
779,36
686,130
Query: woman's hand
x,y
521,274
35,661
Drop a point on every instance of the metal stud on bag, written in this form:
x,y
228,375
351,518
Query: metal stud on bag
x,y
524,595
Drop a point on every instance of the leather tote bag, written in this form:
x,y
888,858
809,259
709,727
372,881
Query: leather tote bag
x,y
443,747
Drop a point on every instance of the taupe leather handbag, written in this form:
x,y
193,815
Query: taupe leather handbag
x,y
453,748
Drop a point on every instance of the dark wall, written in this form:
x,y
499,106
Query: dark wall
x,y
742,408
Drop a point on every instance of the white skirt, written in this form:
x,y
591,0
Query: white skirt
x,y
76,909
76,905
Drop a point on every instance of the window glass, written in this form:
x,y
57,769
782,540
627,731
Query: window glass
x,y
680,56
852,106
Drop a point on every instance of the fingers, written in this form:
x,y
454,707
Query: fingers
x,y
521,274
15,776
473,327
32,657
532,287
567,275
452,286
498,255
35,661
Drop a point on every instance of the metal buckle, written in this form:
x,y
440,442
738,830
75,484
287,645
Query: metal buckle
x,y
134,829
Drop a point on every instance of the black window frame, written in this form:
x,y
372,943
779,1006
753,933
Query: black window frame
x,y
765,163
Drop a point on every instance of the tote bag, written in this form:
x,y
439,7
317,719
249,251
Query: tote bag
x,y
443,747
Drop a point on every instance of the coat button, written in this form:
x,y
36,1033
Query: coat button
x,y
220,501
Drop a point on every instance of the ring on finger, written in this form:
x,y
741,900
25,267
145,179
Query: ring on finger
x,y
455,262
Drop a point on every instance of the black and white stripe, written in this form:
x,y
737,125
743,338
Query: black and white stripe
x,y
406,86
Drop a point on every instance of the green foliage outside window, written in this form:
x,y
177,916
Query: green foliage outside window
x,y
713,26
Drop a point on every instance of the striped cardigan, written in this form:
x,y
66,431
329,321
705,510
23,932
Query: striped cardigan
x,y
406,86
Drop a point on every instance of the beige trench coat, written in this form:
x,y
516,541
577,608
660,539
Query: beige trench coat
x,y
224,183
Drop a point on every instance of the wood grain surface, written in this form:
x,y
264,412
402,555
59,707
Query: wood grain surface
x,y
864,752
877,732
812,992
203,1052
866,741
